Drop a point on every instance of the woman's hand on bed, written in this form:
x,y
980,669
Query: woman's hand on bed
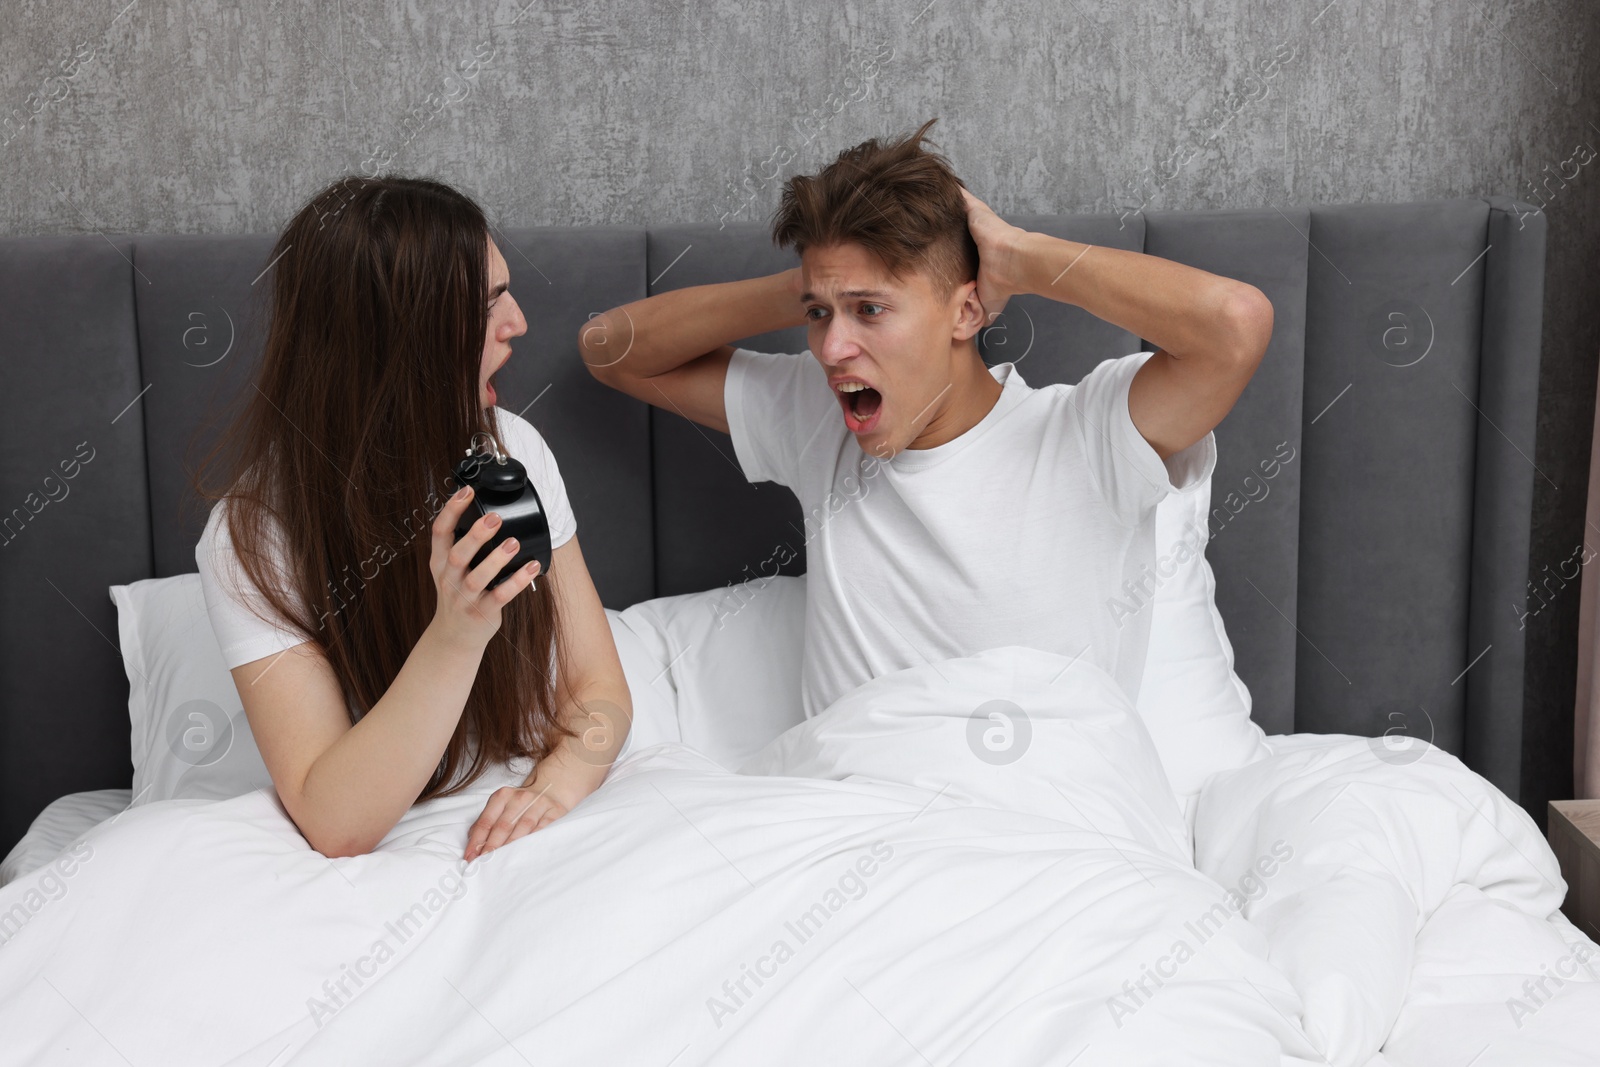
x,y
559,781
513,812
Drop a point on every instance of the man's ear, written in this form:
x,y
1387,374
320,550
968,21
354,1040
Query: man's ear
x,y
969,318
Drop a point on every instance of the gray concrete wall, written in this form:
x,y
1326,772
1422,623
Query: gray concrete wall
x,y
191,116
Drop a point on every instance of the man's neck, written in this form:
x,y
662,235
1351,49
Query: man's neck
x,y
971,394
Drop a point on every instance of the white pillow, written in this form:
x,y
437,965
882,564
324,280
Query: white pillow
x,y
733,657
190,738
655,709
1194,705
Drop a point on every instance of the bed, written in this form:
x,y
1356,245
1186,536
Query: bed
x,y
1352,881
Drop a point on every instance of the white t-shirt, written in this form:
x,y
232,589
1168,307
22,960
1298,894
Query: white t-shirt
x,y
244,636
1021,531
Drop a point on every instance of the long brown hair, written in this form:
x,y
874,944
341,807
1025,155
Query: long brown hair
x,y
342,454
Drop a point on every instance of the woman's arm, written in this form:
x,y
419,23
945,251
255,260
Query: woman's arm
x,y
594,702
346,786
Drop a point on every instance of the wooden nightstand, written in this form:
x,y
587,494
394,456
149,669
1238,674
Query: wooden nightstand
x,y
1574,831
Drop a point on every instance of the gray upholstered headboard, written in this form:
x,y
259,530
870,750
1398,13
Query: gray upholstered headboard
x,y
1374,581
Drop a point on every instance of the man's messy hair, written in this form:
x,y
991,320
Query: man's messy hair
x,y
896,199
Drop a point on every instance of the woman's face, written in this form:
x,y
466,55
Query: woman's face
x,y
505,322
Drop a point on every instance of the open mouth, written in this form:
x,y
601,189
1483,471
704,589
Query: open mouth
x,y
862,405
488,383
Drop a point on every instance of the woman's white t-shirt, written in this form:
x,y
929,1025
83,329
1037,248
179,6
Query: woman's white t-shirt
x,y
244,636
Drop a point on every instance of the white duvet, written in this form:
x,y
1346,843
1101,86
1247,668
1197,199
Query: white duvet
x,y
978,861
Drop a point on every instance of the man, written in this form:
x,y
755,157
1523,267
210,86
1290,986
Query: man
x,y
957,508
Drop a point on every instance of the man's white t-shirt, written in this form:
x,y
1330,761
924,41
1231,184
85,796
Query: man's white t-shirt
x,y
1021,531
244,636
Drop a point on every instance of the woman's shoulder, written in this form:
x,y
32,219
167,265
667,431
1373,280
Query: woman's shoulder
x,y
527,445
216,544
246,624
216,535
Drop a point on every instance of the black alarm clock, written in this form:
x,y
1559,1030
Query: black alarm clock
x,y
501,484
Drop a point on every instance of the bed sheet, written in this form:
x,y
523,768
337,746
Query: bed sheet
x,y
58,826
1403,838
877,867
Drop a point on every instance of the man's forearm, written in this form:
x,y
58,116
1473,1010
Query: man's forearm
x,y
1187,311
663,332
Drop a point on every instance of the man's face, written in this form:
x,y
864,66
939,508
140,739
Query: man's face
x,y
505,322
885,342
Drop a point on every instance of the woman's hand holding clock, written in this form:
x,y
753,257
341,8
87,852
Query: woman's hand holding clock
x,y
466,613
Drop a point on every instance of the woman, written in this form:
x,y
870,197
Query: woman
x,y
375,668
